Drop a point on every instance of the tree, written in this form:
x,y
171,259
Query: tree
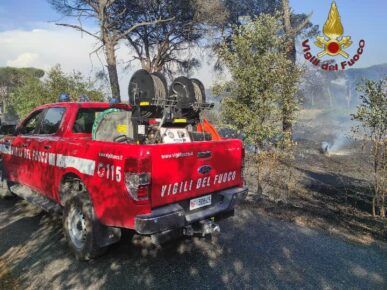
x,y
293,26
261,75
35,92
372,116
108,35
10,78
239,10
161,46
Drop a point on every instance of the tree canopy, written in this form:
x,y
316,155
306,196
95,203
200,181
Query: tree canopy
x,y
12,76
261,76
160,46
34,92
107,14
10,79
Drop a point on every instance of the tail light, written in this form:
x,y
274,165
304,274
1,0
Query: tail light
x,y
138,177
137,185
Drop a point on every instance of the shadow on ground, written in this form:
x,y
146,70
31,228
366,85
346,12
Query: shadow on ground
x,y
252,252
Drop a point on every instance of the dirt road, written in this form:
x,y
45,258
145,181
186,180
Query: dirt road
x,y
253,251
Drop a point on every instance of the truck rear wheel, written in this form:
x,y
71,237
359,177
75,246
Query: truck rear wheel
x,y
80,227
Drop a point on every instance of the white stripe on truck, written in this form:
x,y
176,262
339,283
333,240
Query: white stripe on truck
x,y
6,149
83,165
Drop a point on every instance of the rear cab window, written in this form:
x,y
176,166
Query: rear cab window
x,y
85,119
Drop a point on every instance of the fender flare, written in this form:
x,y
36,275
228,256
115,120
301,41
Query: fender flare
x,y
105,235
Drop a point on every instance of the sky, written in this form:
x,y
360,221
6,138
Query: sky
x,y
29,37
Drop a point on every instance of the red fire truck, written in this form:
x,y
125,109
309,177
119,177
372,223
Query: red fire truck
x,y
166,189
109,167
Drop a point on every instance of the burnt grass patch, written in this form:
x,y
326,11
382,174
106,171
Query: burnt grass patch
x,y
328,191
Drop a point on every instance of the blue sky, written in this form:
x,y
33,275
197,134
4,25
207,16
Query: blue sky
x,y
365,19
28,36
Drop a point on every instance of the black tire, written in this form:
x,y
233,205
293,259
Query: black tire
x,y
80,227
5,189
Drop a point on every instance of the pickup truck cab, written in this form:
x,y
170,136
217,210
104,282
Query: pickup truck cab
x,y
161,190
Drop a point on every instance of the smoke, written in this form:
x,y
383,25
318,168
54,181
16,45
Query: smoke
x,y
338,133
339,143
337,146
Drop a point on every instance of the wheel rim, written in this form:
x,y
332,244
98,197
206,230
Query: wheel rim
x,y
77,228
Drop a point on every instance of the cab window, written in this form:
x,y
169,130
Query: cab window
x,y
51,121
31,125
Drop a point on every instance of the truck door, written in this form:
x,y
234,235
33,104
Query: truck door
x,y
18,161
9,162
42,146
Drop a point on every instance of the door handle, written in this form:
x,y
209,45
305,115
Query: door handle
x,y
47,147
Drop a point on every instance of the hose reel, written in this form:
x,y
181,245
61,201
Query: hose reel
x,y
149,95
148,91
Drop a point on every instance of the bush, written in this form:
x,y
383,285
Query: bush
x,y
372,116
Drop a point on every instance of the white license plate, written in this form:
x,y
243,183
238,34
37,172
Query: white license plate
x,y
199,202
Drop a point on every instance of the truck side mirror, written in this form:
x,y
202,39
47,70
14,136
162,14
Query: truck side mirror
x,y
13,131
8,130
18,131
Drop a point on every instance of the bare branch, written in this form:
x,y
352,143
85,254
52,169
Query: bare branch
x,y
303,24
79,28
136,48
110,3
93,5
125,33
96,50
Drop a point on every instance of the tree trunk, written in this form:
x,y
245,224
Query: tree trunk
x,y
258,164
146,64
292,52
112,70
289,31
287,124
374,206
375,199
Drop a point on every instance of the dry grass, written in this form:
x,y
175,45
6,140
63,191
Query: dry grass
x,y
7,281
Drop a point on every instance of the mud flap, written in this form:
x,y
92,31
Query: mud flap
x,y
105,235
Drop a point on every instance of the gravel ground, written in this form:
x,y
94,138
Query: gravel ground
x,y
253,252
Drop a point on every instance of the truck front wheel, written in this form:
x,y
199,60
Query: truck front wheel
x,y
5,185
80,227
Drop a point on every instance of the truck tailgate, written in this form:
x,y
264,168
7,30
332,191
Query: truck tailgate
x,y
187,170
